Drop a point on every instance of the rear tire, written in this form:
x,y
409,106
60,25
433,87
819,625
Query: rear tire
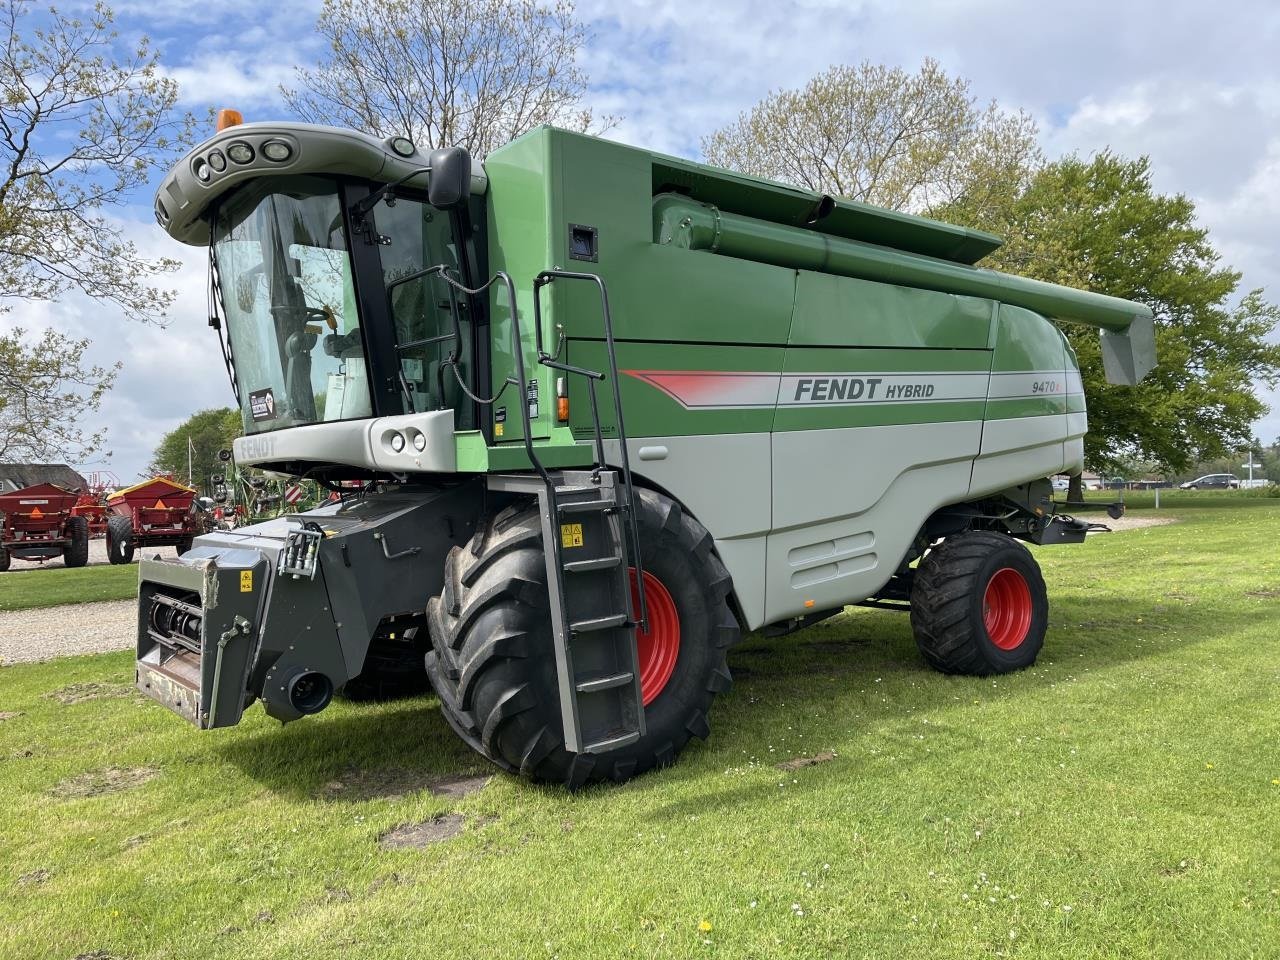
x,y
76,553
979,605
120,540
492,661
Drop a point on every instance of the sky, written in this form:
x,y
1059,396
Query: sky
x,y
1194,86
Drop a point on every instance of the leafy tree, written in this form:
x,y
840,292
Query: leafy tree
x,y
45,391
202,435
467,73
1099,225
83,120
881,135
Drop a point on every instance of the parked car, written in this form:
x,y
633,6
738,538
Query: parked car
x,y
1061,484
1213,481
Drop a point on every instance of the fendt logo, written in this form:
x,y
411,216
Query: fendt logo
x,y
255,448
838,389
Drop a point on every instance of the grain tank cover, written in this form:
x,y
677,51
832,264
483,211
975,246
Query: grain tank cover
x,y
795,207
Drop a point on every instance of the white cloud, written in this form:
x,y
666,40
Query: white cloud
x,y
227,79
168,372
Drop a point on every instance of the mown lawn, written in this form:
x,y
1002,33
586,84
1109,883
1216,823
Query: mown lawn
x,y
22,589
1121,799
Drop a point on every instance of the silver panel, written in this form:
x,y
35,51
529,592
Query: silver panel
x,y
359,443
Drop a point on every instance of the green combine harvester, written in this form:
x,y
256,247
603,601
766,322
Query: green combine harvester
x,y
593,413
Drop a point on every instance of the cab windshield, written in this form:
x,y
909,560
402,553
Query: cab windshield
x,y
290,305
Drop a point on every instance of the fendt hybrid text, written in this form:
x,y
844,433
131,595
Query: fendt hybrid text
x,y
589,414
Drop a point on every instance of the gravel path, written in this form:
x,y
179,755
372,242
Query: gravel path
x,y
68,630
1134,523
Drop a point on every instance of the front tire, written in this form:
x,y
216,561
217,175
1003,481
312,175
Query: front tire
x,y
76,553
4,560
120,540
979,605
492,661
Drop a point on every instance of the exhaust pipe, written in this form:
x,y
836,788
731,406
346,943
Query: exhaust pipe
x,y
308,691
300,692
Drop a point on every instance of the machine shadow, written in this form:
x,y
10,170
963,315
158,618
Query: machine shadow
x,y
391,748
358,751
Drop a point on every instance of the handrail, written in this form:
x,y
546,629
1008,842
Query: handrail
x,y
545,278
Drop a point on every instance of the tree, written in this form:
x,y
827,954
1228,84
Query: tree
x,y
201,435
881,135
83,121
466,73
1098,224
46,389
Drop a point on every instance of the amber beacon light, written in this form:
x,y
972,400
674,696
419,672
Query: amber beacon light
x,y
229,118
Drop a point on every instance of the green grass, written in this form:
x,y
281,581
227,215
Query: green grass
x,y
50,586
1117,800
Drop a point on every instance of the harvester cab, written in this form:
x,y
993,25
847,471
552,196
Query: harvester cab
x,y
825,404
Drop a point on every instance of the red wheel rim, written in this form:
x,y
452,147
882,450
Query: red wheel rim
x,y
1006,608
659,646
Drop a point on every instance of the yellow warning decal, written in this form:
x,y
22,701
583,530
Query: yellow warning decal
x,y
246,581
497,429
571,534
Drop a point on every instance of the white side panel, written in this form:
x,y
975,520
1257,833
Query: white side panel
x,y
744,559
724,480
1017,450
848,503
1073,449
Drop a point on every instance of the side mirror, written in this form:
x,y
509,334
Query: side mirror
x,y
450,183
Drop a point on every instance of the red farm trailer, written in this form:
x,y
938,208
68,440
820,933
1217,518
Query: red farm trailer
x,y
154,513
37,524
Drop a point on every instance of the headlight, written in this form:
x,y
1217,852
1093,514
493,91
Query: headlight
x,y
403,146
397,442
217,161
419,442
240,152
277,150
201,170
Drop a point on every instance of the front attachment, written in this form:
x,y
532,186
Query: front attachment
x,y
286,611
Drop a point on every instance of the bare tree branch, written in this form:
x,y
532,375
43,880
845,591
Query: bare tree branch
x,y
468,73
84,119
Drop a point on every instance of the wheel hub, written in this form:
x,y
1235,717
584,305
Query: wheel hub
x,y
658,648
1007,608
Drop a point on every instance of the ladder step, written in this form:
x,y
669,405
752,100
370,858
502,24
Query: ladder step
x,y
599,623
585,566
613,743
586,506
605,683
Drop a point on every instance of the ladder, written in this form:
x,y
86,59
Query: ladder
x,y
589,591
592,549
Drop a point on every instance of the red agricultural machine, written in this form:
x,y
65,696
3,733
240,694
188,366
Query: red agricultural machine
x,y
92,504
154,513
39,523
